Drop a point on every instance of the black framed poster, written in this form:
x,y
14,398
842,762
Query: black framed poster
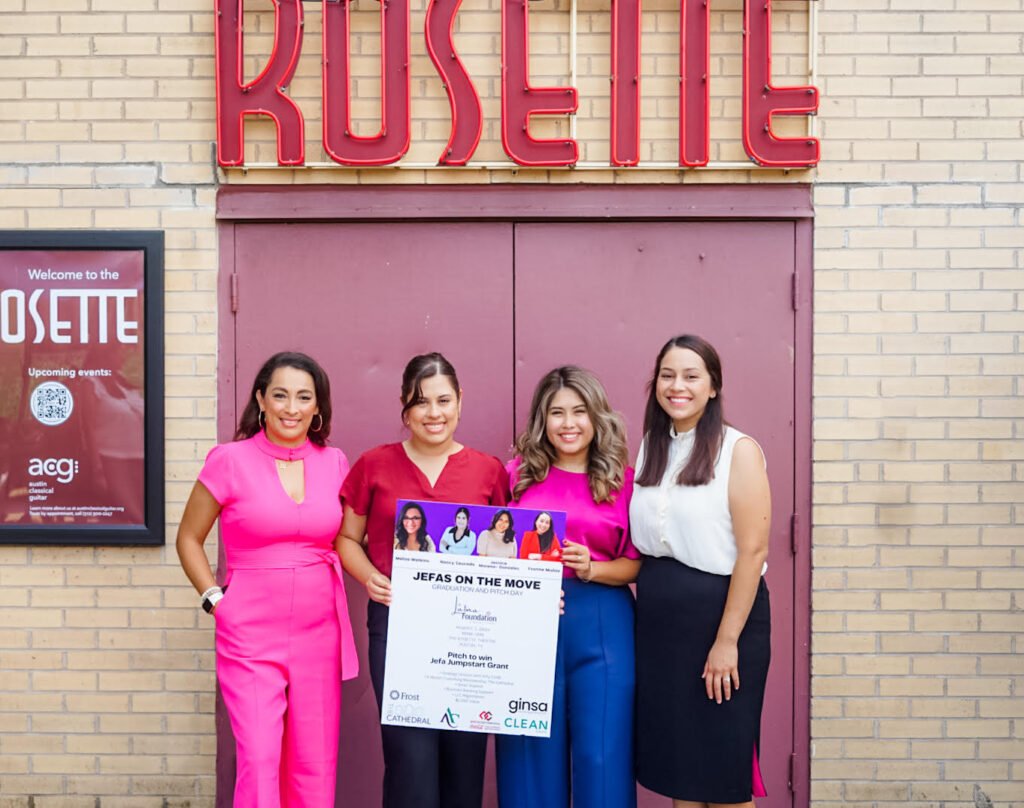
x,y
81,387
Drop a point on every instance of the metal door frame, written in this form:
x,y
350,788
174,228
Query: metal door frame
x,y
550,203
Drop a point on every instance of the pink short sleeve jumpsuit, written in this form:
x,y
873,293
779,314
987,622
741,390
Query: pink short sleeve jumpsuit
x,y
284,639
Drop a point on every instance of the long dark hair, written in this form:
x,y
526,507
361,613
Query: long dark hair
x,y
509,535
707,442
455,526
607,455
547,538
402,535
423,367
249,423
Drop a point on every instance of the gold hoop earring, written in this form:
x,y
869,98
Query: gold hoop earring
x,y
321,424
261,419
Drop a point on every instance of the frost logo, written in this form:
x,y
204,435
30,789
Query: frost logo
x,y
63,469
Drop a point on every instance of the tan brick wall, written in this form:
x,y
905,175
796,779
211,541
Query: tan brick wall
x,y
918,409
106,121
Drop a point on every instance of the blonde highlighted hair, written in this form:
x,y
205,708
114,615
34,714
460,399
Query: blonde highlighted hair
x,y
607,454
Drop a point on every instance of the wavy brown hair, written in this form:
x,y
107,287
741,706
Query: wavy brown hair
x,y
607,455
707,440
249,423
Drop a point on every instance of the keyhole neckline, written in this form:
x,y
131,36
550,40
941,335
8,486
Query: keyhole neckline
x,y
268,447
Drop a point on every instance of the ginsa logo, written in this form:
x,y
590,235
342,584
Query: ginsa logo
x,y
63,468
521,706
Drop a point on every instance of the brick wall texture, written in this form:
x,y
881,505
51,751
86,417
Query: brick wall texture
x,y
107,121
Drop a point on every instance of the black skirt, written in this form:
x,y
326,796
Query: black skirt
x,y
689,747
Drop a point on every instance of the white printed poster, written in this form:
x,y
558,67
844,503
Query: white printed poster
x,y
471,643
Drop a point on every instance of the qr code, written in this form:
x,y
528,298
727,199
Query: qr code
x,y
52,403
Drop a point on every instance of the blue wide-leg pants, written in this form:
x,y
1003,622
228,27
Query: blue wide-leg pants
x,y
588,760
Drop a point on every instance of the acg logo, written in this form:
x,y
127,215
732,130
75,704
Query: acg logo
x,y
63,468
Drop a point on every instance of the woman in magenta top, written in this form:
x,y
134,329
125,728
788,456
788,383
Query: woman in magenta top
x,y
284,642
572,457
425,768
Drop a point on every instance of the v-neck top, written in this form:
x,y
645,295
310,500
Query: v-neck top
x,y
260,524
384,475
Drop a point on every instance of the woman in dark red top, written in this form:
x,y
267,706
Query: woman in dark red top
x,y
426,768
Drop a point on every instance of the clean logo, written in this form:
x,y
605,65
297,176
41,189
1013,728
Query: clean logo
x,y
485,715
62,468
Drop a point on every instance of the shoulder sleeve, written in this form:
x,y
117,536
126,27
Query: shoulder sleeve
x,y
626,548
217,473
355,491
512,472
500,493
343,468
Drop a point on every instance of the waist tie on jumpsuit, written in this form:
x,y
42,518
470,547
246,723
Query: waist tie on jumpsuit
x,y
284,644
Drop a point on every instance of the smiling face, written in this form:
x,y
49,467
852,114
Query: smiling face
x,y
543,523
461,520
435,413
684,387
502,524
568,428
289,405
412,519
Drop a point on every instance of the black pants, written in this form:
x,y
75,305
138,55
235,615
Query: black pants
x,y
423,768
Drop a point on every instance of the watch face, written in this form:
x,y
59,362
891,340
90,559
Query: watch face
x,y
207,606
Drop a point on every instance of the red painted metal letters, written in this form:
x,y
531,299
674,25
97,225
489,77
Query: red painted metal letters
x,y
694,87
625,134
467,116
392,141
761,100
519,100
265,95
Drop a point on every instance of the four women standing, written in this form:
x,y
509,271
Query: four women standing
x,y
700,514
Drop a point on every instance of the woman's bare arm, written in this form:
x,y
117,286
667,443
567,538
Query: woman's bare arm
x,y
201,511
751,509
349,545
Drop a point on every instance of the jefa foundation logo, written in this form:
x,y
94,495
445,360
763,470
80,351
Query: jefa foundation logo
x,y
51,403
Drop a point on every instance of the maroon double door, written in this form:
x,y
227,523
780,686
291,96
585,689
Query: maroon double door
x,y
506,294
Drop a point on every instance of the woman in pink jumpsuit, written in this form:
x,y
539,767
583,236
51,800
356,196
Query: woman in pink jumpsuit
x,y
284,641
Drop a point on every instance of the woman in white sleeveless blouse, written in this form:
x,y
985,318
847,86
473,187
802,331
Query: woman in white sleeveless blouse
x,y
700,515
